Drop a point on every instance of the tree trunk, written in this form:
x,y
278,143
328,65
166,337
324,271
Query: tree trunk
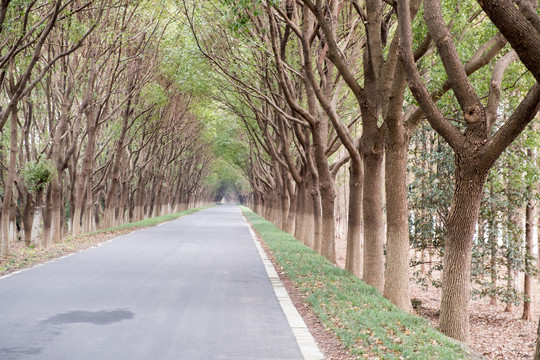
x,y
493,265
354,255
276,210
509,283
537,351
81,215
84,198
13,229
397,274
46,214
317,217
55,209
493,253
292,211
285,203
259,203
527,286
461,222
303,213
120,214
9,184
28,218
268,206
373,273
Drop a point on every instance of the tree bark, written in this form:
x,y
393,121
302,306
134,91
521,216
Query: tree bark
x,y
537,350
509,282
55,209
317,216
9,184
397,273
304,215
492,241
461,222
28,218
527,286
373,272
354,254
293,203
327,194
46,215
520,25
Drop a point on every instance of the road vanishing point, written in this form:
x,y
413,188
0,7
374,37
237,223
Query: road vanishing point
x,y
194,288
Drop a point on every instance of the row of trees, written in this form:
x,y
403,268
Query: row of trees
x,y
320,84
98,125
95,129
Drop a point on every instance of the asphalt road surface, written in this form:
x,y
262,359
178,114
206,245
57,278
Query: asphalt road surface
x,y
193,288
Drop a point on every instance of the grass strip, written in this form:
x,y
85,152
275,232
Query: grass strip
x,y
368,325
23,257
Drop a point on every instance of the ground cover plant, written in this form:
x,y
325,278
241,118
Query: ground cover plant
x,y
23,257
368,325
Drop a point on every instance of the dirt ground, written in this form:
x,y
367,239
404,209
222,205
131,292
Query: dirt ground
x,y
495,334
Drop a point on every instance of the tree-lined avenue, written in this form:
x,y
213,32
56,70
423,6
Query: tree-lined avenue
x,y
194,288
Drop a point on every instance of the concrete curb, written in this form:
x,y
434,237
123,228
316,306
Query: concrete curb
x,y
305,340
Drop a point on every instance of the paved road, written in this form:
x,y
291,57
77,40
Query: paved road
x,y
193,288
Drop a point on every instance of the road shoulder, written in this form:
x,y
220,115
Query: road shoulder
x,y
306,342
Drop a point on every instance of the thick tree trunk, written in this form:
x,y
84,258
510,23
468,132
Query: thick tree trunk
x,y
139,200
354,255
328,234
373,273
28,218
268,206
56,213
397,274
31,220
259,204
461,222
326,194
